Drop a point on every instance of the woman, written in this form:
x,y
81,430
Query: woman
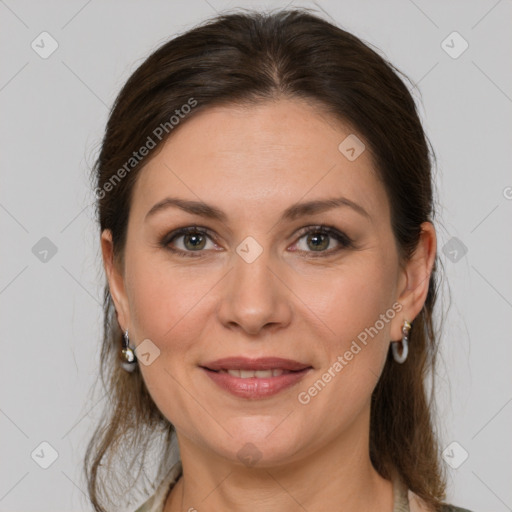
x,y
265,204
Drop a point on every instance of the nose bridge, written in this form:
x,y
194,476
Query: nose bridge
x,y
251,274
253,297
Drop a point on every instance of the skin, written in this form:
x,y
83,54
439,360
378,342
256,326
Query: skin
x,y
253,163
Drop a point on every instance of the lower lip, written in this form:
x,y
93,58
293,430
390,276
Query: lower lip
x,y
254,387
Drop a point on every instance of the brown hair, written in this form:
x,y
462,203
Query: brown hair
x,y
245,58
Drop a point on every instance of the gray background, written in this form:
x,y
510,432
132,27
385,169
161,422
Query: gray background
x,y
53,116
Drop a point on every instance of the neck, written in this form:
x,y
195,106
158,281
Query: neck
x,y
339,476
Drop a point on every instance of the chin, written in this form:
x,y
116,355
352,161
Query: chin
x,y
257,443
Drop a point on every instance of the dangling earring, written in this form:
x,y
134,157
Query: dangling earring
x,y
128,359
400,358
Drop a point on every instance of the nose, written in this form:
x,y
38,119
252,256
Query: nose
x,y
255,298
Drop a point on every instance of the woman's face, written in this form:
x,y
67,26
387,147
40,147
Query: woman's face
x,y
257,285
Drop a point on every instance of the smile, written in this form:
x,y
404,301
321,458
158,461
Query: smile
x,y
255,379
259,374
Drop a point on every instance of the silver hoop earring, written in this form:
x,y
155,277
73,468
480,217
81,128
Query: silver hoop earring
x,y
400,358
128,358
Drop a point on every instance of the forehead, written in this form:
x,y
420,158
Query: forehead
x,y
273,152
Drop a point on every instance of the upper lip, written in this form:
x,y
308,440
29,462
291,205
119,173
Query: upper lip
x,y
262,363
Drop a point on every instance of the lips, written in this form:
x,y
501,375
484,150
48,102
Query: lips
x,y
255,378
255,365
259,374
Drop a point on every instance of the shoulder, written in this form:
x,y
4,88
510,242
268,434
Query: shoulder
x,y
156,502
416,504
453,508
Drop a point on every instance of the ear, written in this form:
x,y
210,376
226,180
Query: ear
x,y
115,280
414,280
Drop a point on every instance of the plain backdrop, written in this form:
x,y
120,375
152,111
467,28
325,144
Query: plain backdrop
x,y
53,114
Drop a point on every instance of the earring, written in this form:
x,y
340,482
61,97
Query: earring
x,y
128,358
400,358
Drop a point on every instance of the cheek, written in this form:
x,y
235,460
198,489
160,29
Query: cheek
x,y
163,299
349,300
350,305
168,307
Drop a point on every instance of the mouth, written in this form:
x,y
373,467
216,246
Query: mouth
x,y
245,364
258,374
255,378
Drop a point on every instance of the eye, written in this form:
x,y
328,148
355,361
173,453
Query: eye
x,y
317,241
185,241
321,239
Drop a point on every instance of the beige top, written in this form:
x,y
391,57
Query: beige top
x,y
404,500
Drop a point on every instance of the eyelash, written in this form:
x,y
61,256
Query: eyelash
x,y
344,241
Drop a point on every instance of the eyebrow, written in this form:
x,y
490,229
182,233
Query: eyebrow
x,y
293,212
